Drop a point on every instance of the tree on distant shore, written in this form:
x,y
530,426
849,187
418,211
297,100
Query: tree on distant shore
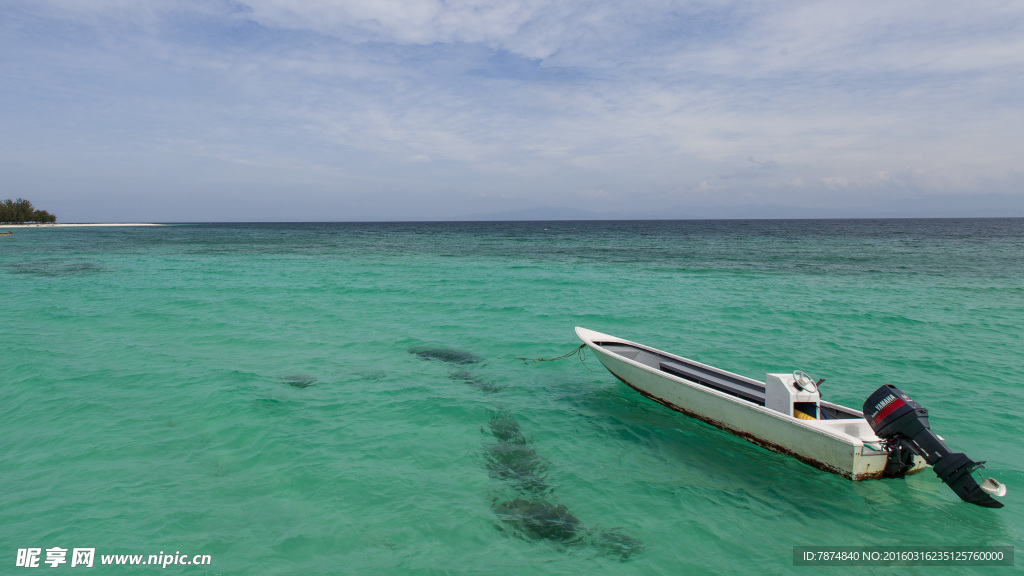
x,y
21,211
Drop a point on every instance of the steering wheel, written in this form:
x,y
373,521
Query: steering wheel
x,y
804,382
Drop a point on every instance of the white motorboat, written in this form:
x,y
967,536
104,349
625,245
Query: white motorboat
x,y
786,414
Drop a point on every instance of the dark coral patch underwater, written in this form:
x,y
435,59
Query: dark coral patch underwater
x,y
449,355
298,380
540,520
477,382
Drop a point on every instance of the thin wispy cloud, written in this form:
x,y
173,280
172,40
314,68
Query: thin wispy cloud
x,y
430,109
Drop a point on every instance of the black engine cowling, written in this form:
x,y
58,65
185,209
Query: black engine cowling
x,y
903,425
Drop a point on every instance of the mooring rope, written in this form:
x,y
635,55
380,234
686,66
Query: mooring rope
x,y
580,352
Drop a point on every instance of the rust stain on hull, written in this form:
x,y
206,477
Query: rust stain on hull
x,y
759,441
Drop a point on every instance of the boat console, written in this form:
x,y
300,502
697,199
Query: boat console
x,y
783,393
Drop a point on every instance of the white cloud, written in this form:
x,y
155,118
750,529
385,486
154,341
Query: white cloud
x,y
538,98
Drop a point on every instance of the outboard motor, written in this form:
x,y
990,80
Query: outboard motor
x,y
902,424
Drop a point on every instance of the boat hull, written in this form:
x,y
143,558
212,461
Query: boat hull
x,y
822,444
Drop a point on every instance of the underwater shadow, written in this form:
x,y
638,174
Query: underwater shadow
x,y
530,511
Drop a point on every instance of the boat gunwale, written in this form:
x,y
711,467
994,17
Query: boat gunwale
x,y
680,358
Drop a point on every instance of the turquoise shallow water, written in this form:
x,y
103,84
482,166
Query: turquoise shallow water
x,y
248,391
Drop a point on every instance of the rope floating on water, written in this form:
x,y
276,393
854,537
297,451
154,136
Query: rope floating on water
x,y
580,351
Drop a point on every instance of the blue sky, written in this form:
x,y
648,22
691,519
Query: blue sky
x,y
164,110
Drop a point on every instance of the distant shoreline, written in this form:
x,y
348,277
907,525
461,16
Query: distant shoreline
x,y
76,225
